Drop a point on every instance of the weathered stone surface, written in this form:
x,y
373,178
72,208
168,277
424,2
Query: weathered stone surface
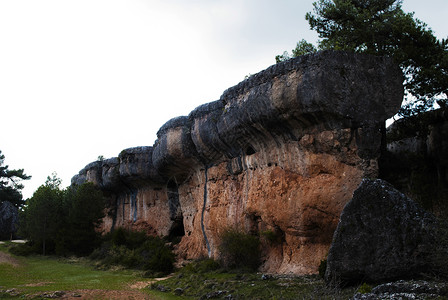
x,y
416,162
282,151
382,235
9,216
404,290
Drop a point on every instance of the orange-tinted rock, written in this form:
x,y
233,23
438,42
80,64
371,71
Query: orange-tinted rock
x,y
280,153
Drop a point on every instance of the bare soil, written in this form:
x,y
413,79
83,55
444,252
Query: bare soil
x,y
5,258
105,294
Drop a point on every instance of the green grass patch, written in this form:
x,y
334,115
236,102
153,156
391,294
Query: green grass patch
x,y
38,274
197,281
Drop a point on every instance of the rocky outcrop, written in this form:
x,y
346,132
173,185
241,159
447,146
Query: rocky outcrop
x,y
281,152
416,161
382,235
9,217
403,290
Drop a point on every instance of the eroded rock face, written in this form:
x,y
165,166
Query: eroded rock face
x,y
9,217
416,290
382,235
416,162
282,152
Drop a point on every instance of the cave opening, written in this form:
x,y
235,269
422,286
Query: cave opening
x,y
176,231
250,150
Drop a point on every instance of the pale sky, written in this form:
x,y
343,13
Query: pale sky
x,y
83,78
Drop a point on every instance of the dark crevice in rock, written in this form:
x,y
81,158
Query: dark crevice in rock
x,y
176,216
203,212
250,150
134,204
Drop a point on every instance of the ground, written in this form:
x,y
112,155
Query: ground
x,y
133,293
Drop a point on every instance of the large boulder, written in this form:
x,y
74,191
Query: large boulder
x,y
382,235
414,289
9,216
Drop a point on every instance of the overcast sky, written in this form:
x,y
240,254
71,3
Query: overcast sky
x,y
83,78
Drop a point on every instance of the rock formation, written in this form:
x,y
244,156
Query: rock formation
x,y
382,235
416,290
416,161
280,152
9,216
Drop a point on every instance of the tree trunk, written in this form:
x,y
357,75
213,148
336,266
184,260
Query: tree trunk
x,y
43,240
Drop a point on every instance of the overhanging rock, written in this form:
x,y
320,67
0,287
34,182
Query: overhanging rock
x,y
282,151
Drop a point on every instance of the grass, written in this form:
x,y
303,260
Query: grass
x,y
200,280
38,274
197,284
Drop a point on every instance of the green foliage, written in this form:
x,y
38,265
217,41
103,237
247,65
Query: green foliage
x,y
322,268
272,237
83,208
364,288
63,221
302,48
204,265
381,27
136,250
11,184
239,250
43,217
223,285
23,250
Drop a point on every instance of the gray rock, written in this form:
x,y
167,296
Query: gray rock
x,y
174,152
9,216
382,235
136,168
162,288
325,90
418,290
178,291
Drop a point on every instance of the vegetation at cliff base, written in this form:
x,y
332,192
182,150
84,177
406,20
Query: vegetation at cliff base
x,y
134,250
381,27
62,222
206,279
239,250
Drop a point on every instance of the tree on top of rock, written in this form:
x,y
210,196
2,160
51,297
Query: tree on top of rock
x,y
11,184
381,27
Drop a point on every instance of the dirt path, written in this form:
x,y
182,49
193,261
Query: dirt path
x,y
5,258
105,294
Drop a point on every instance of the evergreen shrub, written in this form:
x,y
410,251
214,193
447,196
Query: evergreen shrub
x,y
239,250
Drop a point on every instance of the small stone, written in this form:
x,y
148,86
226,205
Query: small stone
x,y
162,288
266,277
178,291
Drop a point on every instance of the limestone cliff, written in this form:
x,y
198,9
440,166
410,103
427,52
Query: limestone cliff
x,y
282,151
416,161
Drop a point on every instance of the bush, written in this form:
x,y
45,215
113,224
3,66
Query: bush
x,y
322,268
239,250
130,239
135,250
23,249
201,266
364,289
271,236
